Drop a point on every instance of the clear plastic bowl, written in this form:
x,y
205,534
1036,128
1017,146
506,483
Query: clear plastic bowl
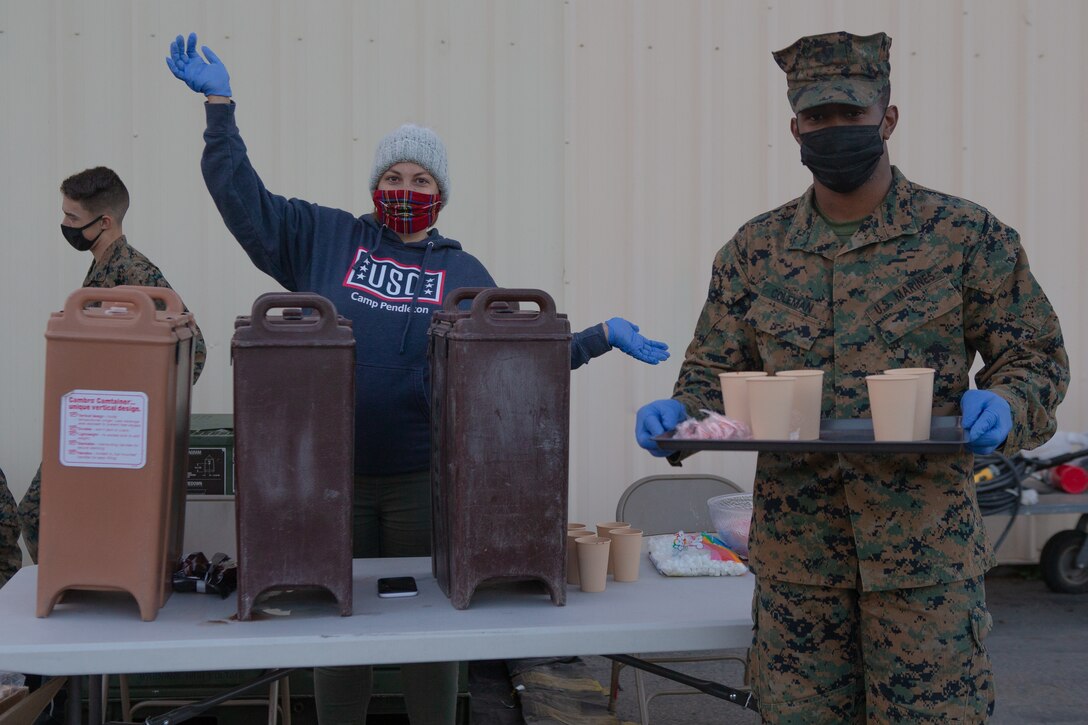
x,y
732,517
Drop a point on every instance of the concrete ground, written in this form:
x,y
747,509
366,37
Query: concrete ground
x,y
1039,650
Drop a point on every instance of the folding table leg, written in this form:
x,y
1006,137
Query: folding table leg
x,y
73,713
126,698
94,700
285,699
273,700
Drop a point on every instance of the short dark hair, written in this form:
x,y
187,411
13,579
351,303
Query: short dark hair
x,y
99,189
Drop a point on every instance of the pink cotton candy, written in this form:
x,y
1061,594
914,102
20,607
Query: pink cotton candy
x,y
714,426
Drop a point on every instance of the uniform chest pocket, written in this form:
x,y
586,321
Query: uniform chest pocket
x,y
786,323
897,314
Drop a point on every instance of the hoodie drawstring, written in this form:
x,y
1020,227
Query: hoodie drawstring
x,y
415,296
378,240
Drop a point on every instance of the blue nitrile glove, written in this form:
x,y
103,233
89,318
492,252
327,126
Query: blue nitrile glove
x,y
987,419
656,418
208,77
624,335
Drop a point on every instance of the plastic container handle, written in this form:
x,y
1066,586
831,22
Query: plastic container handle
x,y
170,298
304,300
142,305
459,295
482,301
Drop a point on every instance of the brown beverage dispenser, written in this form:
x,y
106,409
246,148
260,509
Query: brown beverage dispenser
x,y
294,436
500,417
118,377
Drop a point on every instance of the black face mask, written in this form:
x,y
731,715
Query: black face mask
x,y
842,158
75,237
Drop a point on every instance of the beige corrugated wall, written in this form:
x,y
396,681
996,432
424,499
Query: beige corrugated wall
x,y
602,151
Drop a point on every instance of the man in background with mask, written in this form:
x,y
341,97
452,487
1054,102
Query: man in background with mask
x,y
94,203
869,599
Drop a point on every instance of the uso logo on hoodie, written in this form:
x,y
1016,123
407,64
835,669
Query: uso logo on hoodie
x,y
388,279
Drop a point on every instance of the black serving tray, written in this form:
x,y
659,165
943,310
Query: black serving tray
x,y
841,435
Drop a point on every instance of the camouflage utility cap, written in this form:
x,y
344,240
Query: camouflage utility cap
x,y
835,68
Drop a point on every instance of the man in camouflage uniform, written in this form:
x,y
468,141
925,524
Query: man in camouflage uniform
x,y
11,558
869,595
94,203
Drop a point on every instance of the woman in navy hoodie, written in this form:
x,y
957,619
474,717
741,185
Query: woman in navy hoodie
x,y
387,272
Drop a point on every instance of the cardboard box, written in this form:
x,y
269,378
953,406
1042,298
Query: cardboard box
x,y
10,695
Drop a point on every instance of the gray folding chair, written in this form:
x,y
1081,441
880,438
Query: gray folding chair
x,y
665,504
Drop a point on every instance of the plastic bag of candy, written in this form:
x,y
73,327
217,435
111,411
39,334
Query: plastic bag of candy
x,y
699,554
712,427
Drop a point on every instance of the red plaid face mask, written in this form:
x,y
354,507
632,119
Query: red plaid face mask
x,y
405,211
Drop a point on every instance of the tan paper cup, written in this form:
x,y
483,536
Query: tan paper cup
x,y
923,410
593,562
735,394
575,527
602,531
572,553
771,406
892,399
626,553
808,394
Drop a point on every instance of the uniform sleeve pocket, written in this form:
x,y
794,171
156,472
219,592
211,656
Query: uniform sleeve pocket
x,y
901,312
786,323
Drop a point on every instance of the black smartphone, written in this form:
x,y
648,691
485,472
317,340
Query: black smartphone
x,y
397,586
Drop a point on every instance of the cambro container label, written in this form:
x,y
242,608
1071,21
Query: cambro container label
x,y
103,429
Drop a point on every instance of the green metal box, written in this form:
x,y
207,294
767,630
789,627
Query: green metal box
x,y
211,455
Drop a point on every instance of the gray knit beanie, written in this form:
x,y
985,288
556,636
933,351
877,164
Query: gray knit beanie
x,y
416,144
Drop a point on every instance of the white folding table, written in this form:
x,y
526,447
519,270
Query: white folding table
x,y
91,633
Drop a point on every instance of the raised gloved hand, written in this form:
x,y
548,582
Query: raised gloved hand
x,y
624,335
208,77
656,418
987,419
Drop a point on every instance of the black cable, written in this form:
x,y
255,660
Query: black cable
x,y
1000,489
999,494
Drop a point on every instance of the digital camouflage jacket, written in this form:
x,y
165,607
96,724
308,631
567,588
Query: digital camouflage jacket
x,y
122,265
928,280
11,556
